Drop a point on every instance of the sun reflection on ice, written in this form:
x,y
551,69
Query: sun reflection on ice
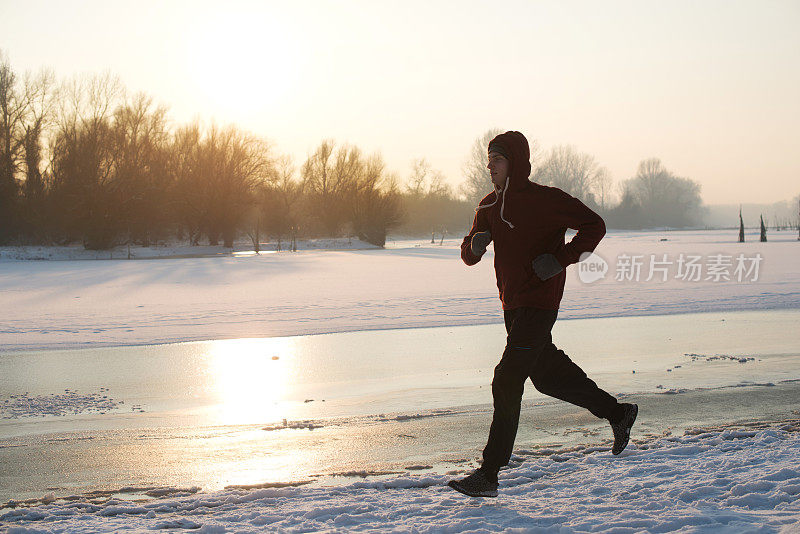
x,y
251,379
250,457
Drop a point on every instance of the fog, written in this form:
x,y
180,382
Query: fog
x,y
709,88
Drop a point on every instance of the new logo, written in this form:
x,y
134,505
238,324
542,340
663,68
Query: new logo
x,y
591,268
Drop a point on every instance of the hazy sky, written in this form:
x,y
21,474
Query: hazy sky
x,y
710,87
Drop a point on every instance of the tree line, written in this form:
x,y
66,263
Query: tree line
x,y
653,197
84,161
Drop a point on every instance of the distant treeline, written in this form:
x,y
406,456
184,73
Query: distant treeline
x,y
654,197
84,162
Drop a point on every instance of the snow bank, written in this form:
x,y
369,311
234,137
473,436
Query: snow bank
x,y
717,480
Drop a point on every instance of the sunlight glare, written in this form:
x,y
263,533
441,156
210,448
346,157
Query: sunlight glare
x,y
242,64
251,378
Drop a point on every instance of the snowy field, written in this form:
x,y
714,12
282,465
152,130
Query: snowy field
x,y
720,480
740,477
82,303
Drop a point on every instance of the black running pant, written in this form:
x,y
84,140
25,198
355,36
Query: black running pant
x,y
530,353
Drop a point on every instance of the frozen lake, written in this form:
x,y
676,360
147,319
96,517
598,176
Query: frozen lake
x,y
321,407
70,304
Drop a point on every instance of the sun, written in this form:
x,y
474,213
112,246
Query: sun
x,y
242,64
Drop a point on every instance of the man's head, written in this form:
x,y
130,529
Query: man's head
x,y
499,167
509,156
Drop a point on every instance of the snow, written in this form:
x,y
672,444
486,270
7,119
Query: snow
x,y
165,250
57,404
730,479
708,480
71,303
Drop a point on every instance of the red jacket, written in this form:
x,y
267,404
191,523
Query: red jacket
x,y
540,216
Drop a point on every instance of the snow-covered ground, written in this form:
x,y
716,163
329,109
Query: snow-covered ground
x,y
64,304
168,250
739,478
720,480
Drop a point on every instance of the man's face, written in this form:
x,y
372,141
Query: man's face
x,y
498,167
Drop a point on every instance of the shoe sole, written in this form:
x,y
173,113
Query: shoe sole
x,y
459,488
635,415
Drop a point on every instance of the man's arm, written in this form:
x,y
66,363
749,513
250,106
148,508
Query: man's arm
x,y
479,224
572,213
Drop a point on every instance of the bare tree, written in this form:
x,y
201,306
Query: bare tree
x,y
437,187
378,206
328,176
430,206
426,181
603,187
218,176
572,171
238,162
40,98
665,199
254,221
12,112
83,163
290,192
190,194
628,213
652,178
477,180
140,137
277,205
420,169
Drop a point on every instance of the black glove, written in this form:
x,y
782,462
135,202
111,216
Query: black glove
x,y
480,242
546,266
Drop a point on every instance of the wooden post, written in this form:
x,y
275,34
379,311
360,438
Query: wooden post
x,y
741,225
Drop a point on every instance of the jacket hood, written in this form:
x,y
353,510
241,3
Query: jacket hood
x,y
516,147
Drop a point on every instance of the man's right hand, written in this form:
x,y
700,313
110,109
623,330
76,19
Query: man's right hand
x,y
479,242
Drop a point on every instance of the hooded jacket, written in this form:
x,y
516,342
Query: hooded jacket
x,y
527,219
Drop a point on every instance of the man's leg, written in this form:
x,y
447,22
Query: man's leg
x,y
554,374
528,336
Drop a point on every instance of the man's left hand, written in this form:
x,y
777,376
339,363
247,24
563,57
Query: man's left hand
x,y
546,266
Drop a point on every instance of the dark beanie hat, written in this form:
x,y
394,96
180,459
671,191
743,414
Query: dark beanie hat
x,y
512,145
498,146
